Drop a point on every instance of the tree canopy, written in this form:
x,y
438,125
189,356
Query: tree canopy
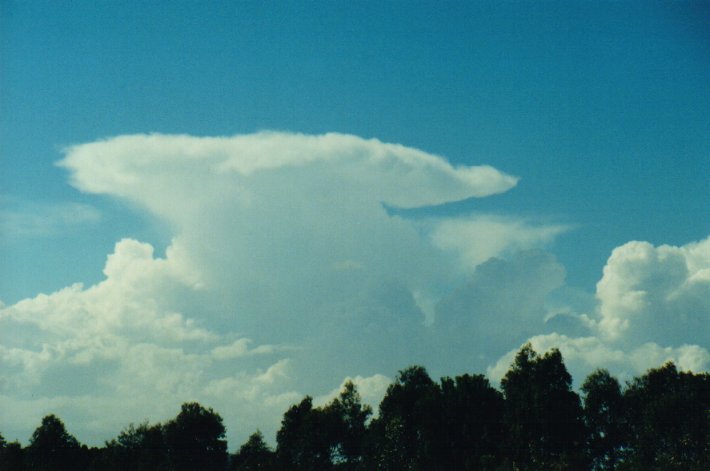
x,y
543,412
536,421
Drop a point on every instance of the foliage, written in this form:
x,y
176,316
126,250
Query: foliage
x,y
410,422
669,420
52,447
254,455
195,439
139,448
328,437
604,418
472,418
543,415
659,421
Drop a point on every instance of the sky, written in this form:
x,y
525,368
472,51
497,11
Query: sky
x,y
241,203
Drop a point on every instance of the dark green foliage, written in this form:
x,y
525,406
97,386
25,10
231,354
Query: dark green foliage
x,y
306,440
604,417
472,416
12,456
410,423
195,439
192,440
660,421
254,455
53,448
668,421
139,448
329,437
542,414
6,458
349,418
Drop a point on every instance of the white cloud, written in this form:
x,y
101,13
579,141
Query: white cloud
x,y
583,355
371,389
653,307
477,238
286,273
272,232
22,219
650,293
379,172
240,348
122,342
301,216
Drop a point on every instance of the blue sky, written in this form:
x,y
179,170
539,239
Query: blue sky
x,y
592,118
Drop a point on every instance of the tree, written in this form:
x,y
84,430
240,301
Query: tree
x,y
542,414
669,420
195,439
408,429
603,416
349,417
11,455
472,415
52,447
141,448
387,448
254,455
307,439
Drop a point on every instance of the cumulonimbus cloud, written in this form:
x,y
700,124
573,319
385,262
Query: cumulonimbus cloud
x,y
289,210
283,255
271,234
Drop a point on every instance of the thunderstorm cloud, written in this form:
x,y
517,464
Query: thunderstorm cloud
x,y
286,273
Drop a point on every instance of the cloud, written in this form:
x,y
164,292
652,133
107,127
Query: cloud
x,y
379,172
477,238
124,344
653,306
286,273
43,219
371,389
240,348
649,293
502,303
582,355
297,215
282,254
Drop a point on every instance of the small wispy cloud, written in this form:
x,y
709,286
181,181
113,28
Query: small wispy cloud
x,y
22,219
478,237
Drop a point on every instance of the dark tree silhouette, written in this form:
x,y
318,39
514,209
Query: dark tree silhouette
x,y
195,439
52,447
604,417
542,413
307,439
472,415
669,421
328,437
141,448
11,455
349,418
254,455
660,421
407,433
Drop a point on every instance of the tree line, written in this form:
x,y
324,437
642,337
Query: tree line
x,y
536,421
